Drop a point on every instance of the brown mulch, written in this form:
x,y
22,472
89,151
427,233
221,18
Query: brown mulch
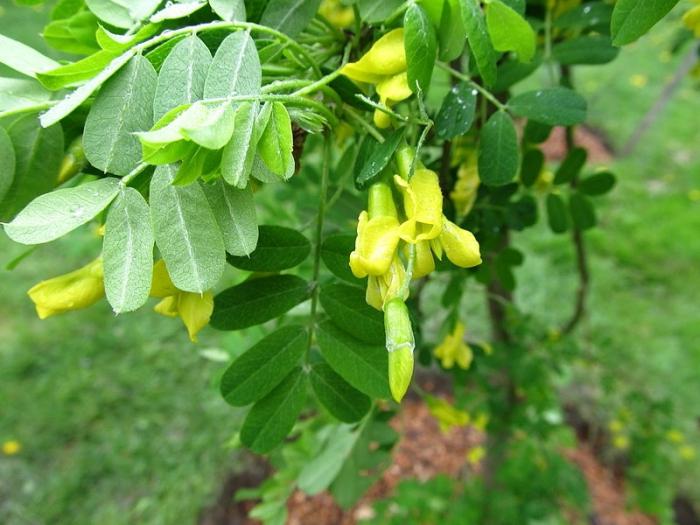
x,y
599,151
424,452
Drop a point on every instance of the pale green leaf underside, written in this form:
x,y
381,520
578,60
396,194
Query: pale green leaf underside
x,y
54,214
186,232
234,210
127,252
123,106
23,58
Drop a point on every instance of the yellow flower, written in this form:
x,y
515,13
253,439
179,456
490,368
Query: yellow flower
x,y
687,452
72,291
377,234
447,415
616,426
11,447
621,442
544,181
453,349
384,65
337,14
639,81
424,263
480,422
464,193
194,309
422,201
674,436
475,455
692,20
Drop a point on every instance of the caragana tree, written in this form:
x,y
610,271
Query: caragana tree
x,y
180,124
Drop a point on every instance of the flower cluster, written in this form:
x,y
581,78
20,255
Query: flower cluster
x,y
398,238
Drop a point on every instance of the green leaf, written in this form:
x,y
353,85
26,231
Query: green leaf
x,y
335,252
38,156
186,232
582,211
365,464
122,107
54,214
235,69
588,15
633,18
229,10
256,301
571,166
181,78
557,214
362,365
18,93
69,35
215,128
273,417
319,473
7,163
456,114
263,366
590,50
76,98
511,72
278,248
533,162
479,40
376,157
122,14
498,151
338,397
22,58
289,17
420,42
177,10
372,11
452,34
77,72
557,106
127,252
234,210
597,184
347,307
510,31
276,143
239,153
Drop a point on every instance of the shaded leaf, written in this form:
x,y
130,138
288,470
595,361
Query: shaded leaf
x,y
420,42
557,106
338,397
498,150
257,301
278,249
347,307
456,114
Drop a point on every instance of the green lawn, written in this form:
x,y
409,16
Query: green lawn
x,y
120,420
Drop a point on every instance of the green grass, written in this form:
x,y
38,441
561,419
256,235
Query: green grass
x,y
119,417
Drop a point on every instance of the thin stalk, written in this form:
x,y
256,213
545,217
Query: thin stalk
x,y
485,92
369,128
548,46
126,179
318,237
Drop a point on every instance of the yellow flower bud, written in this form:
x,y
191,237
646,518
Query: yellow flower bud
x,y
424,263
400,345
384,287
337,14
72,291
460,245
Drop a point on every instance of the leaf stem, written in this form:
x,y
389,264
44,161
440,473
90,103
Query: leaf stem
x,y
318,238
486,93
